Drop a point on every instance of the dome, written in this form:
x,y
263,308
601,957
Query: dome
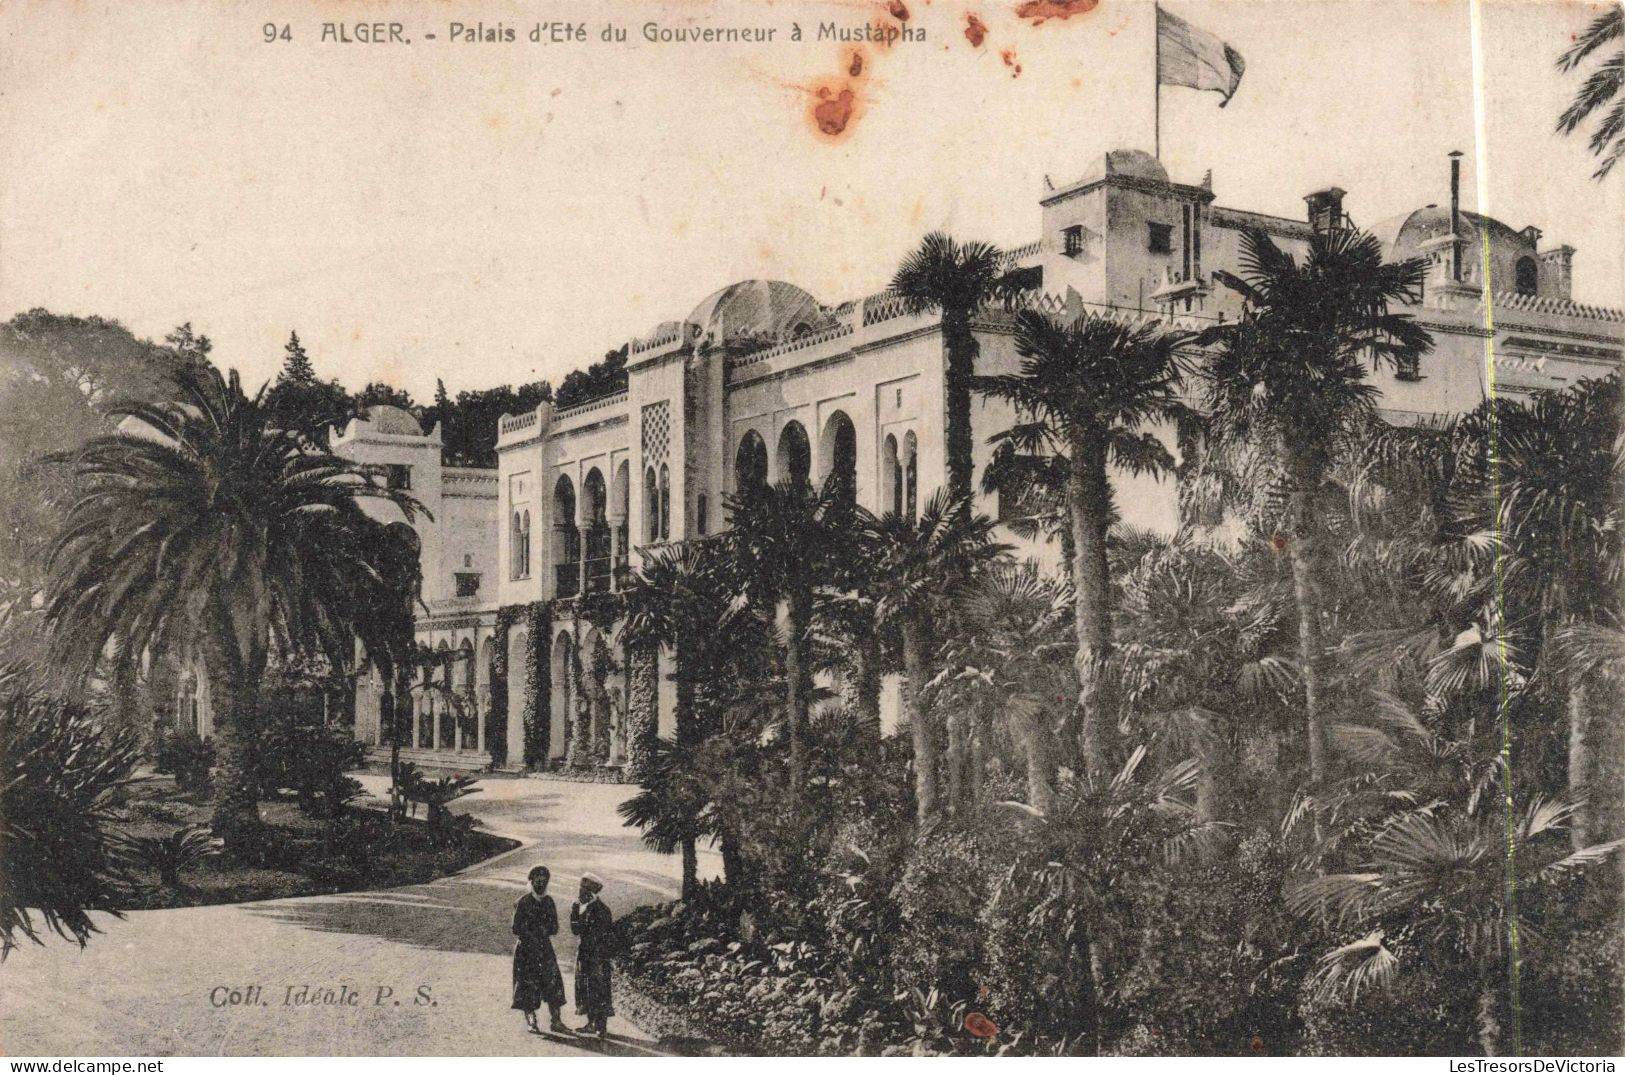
x,y
385,418
1135,163
757,309
1409,234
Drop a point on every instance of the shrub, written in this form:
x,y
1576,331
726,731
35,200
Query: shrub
x,y
299,754
1571,995
58,766
1428,1011
860,916
189,758
439,794
334,872
182,849
1194,978
946,880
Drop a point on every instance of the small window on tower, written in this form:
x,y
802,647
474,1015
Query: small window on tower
x,y
1072,241
1160,238
1527,276
468,583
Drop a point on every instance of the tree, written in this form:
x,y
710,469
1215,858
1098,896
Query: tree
x,y
1069,892
957,279
1440,881
378,393
1009,656
1555,492
1605,88
1288,380
58,374
296,368
300,402
677,601
918,565
788,542
603,378
1086,390
468,423
1532,485
206,530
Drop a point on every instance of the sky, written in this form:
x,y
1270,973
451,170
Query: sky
x,y
489,213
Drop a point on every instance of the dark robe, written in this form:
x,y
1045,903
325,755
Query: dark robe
x,y
536,977
596,928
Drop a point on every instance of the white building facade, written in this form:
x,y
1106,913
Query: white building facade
x,y
762,381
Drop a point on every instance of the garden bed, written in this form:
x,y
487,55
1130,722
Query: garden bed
x,y
296,856
689,980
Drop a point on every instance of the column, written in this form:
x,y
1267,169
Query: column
x,y
581,559
614,551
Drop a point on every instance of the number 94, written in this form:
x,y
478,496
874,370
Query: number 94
x,y
273,32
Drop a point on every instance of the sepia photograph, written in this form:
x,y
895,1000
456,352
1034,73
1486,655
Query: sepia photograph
x,y
812,528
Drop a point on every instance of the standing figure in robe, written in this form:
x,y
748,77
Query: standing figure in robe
x,y
591,921
536,977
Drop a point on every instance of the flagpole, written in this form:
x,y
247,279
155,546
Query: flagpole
x,y
1156,79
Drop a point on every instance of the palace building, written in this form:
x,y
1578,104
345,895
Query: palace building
x,y
762,381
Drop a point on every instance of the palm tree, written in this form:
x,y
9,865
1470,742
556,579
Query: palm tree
x,y
918,565
677,601
1288,380
957,279
1007,658
389,594
1556,473
1074,862
1443,880
1601,90
1531,487
205,529
1085,391
789,543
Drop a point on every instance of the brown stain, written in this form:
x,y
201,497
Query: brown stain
x,y
495,121
975,30
898,10
1042,10
1009,58
838,101
834,110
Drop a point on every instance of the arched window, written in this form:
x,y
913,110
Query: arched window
x,y
520,544
597,505
651,504
911,473
838,456
621,499
665,503
1528,276
795,455
891,477
750,464
566,539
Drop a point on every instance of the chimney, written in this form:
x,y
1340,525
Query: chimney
x,y
1455,215
1557,272
1326,209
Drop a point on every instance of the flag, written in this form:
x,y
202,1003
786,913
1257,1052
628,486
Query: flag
x,y
1187,56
